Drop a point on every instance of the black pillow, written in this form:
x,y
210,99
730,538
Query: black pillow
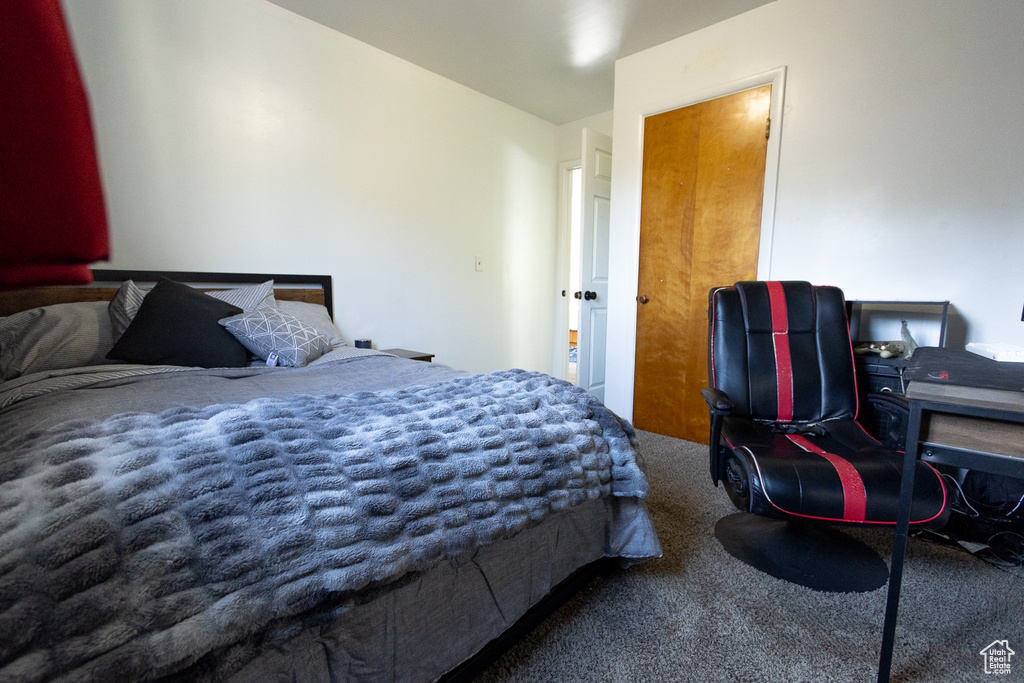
x,y
177,325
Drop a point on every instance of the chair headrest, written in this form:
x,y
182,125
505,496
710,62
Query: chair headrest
x,y
769,306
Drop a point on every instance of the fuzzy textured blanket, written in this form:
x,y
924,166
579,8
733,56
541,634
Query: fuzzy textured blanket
x,y
132,546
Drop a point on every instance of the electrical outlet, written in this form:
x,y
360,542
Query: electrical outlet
x,y
480,263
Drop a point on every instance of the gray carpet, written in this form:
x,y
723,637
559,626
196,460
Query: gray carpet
x,y
697,614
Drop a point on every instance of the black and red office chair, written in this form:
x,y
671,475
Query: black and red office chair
x,y
786,444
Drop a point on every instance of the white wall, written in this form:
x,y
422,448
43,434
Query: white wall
x,y
237,136
569,136
901,171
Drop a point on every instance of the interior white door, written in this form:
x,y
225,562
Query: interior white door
x,y
594,231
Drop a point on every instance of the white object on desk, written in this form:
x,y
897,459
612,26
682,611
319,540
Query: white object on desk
x,y
998,351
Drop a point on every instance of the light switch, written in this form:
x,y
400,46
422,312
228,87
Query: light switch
x,y
480,263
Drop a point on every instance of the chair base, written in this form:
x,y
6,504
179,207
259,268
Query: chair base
x,y
813,555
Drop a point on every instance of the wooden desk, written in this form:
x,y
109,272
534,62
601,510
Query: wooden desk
x,y
958,425
976,441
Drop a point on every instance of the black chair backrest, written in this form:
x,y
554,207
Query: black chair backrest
x,y
782,351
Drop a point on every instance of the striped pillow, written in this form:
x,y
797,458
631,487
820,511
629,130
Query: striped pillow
x,y
123,307
55,337
248,298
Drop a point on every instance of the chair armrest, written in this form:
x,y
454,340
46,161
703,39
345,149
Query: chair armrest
x,y
719,405
718,401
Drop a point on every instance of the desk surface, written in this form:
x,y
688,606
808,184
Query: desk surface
x,y
963,368
957,394
966,379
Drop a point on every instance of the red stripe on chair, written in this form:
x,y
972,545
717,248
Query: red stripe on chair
x,y
855,502
783,362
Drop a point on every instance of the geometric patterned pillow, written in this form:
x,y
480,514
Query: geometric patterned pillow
x,y
314,315
277,337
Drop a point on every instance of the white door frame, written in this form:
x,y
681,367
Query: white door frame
x,y
620,366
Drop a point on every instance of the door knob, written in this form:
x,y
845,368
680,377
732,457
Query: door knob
x,y
642,299
589,296
577,295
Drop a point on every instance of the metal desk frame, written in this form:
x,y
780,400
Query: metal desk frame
x,y
982,406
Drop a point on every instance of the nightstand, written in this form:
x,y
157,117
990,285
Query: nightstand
x,y
411,355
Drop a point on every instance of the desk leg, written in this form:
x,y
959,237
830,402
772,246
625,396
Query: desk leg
x,y
899,545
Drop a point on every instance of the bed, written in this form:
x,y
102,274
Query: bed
x,y
305,511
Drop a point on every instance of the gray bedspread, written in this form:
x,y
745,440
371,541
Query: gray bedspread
x,y
134,542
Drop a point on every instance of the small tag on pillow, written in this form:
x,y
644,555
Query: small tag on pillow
x,y
272,359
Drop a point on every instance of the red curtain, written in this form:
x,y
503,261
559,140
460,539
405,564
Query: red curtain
x,y
52,217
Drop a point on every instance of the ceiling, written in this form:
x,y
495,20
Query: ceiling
x,y
552,58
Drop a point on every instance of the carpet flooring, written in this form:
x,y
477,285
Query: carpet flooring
x,y
697,614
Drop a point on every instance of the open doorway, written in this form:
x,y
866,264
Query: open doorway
x,y
584,229
575,196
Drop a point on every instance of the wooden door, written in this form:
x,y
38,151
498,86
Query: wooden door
x,y
700,226
595,222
